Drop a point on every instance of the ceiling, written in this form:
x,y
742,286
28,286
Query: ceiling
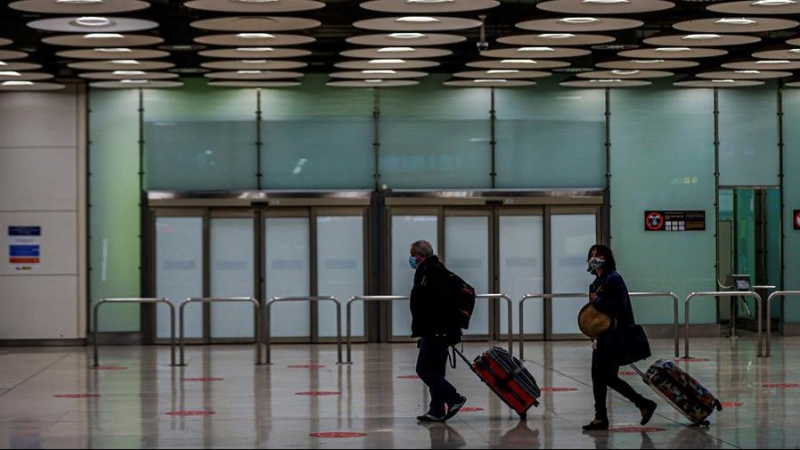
x,y
313,39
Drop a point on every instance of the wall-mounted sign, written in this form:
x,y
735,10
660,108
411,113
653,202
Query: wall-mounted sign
x,y
674,220
24,247
797,219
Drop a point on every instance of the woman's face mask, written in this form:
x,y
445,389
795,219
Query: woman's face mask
x,y
596,263
412,261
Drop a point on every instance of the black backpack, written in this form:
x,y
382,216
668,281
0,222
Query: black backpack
x,y
464,299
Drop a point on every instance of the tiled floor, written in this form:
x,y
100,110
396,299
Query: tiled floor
x,y
236,404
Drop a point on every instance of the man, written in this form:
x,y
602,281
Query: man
x,y
433,313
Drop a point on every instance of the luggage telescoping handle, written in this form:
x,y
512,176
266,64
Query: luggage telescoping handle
x,y
464,358
639,371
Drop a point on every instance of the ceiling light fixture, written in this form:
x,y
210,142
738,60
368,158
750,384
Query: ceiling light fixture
x,y
131,73
502,71
724,81
16,83
134,81
248,72
748,72
774,61
378,72
518,61
606,80
773,3
417,19
79,2
387,61
557,36
10,74
130,62
254,61
624,72
647,61
407,35
429,1
536,49
701,36
673,49
103,36
255,49
113,50
255,36
92,22
482,80
734,21
579,20
395,49
373,81
606,2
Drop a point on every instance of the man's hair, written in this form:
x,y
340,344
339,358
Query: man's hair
x,y
605,252
424,248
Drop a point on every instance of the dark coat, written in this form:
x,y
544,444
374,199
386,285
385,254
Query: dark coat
x,y
612,299
433,308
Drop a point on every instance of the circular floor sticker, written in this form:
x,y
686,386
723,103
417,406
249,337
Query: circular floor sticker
x,y
200,412
782,385
636,429
306,366
110,368
471,409
338,434
731,404
558,389
690,359
76,395
318,393
204,379
409,377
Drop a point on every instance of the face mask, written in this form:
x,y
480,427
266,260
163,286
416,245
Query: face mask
x,y
596,263
412,261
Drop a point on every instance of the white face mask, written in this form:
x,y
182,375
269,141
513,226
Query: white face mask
x,y
596,263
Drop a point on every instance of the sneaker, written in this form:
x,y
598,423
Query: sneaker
x,y
454,407
428,417
647,411
596,424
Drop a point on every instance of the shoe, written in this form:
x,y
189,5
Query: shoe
x,y
453,408
596,424
428,417
648,411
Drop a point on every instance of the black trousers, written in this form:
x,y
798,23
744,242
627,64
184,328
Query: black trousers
x,y
605,374
431,366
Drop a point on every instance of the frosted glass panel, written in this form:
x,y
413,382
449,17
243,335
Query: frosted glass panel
x,y
571,237
550,138
791,199
405,231
200,137
288,274
179,272
232,272
748,135
435,138
662,158
467,247
340,271
522,270
114,243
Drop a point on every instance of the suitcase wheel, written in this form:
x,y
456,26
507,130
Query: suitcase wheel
x,y
523,416
536,403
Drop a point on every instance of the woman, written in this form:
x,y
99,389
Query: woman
x,y
609,294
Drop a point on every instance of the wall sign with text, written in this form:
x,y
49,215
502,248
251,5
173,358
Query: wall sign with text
x,y
674,220
24,247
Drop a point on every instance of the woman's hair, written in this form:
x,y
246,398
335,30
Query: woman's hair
x,y
424,248
607,254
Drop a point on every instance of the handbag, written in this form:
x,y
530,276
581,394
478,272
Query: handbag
x,y
630,344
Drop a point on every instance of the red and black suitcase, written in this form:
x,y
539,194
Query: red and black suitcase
x,y
681,390
507,377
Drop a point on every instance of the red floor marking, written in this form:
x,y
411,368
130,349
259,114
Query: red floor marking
x,y
636,429
782,385
76,395
731,404
409,377
204,379
558,389
318,393
338,434
110,368
471,409
306,366
691,359
191,413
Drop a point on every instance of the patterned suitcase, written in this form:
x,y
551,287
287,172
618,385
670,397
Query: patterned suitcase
x,y
681,390
507,377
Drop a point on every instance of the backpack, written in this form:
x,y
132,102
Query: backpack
x,y
464,299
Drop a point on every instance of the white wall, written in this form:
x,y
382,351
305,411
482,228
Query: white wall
x,y
42,183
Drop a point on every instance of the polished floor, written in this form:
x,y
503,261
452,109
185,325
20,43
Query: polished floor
x,y
54,398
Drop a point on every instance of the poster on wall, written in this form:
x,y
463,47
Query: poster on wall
x,y
797,219
674,220
24,247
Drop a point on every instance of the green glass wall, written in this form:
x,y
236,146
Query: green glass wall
x,y
662,158
791,201
114,245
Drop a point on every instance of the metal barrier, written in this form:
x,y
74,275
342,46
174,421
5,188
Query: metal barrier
x,y
769,312
522,315
721,294
256,306
676,313
268,324
510,317
140,301
365,298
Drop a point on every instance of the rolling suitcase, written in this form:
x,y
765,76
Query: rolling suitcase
x,y
507,377
681,390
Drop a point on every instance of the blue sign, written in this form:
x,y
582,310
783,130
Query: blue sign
x,y
24,250
24,231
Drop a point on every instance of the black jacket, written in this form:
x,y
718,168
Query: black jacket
x,y
433,308
612,299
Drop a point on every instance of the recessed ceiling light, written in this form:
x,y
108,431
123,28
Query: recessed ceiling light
x,y
647,61
723,81
113,50
256,1
428,1
395,49
373,81
748,72
482,80
10,74
579,20
774,61
673,49
103,36
16,83
255,49
3,64
255,36
502,71
387,61
378,72
624,72
79,2
773,2
254,61
734,21
134,81
248,72
518,61
536,49
556,36
607,2
92,21
701,36
129,72
131,62
606,80
407,35
417,19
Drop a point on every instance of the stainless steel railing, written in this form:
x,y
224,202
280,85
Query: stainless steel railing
x,y
676,314
268,324
95,321
522,314
365,298
256,307
510,316
769,312
721,294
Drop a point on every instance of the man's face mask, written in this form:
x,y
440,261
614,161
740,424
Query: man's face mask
x,y
595,263
412,261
